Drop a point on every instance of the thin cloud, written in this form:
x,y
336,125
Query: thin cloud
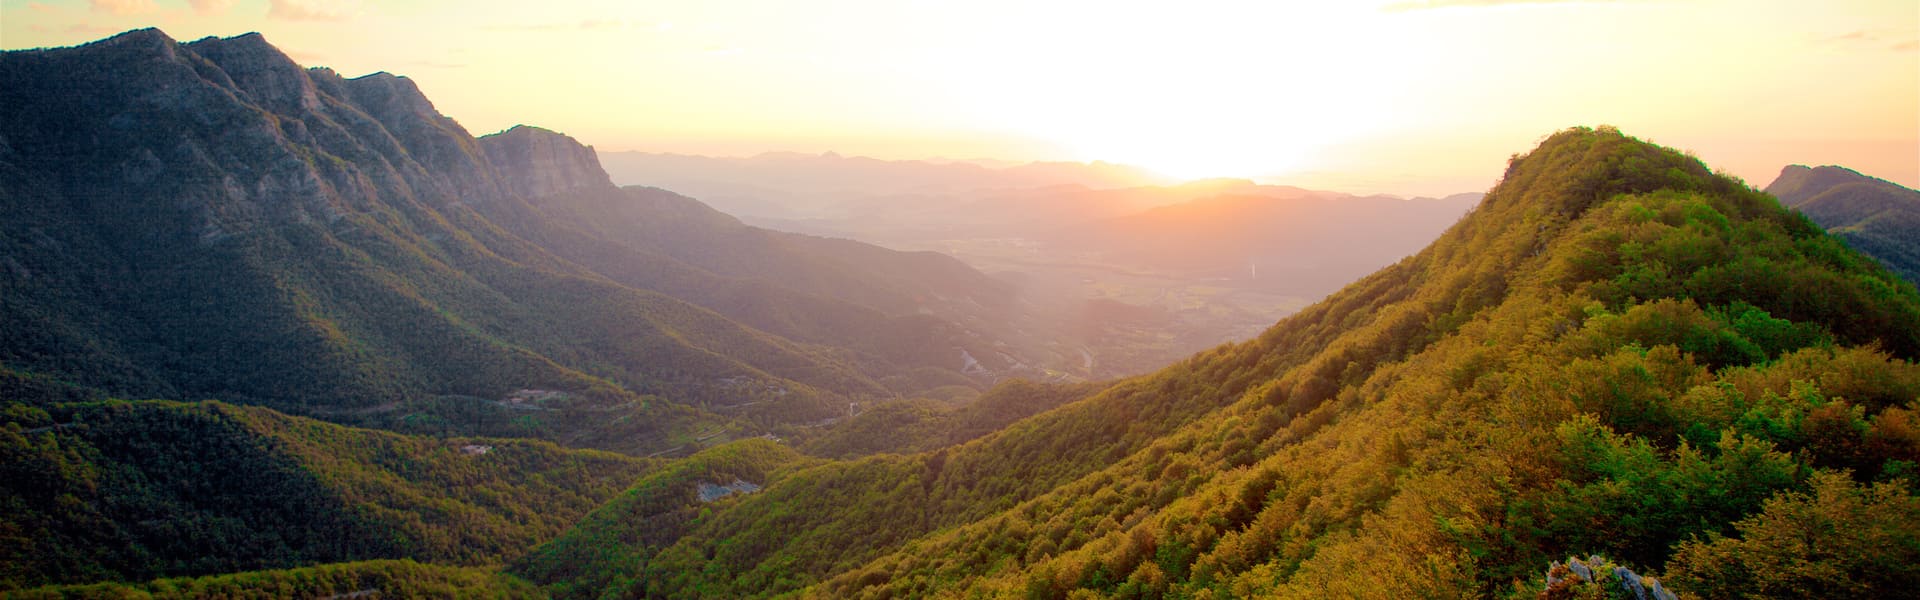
x,y
91,29
313,10
1891,39
124,7
41,8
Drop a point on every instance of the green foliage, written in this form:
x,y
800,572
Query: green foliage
x,y
118,491
1839,539
925,425
378,578
614,543
1622,497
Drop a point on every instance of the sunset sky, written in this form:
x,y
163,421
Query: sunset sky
x,y
1395,96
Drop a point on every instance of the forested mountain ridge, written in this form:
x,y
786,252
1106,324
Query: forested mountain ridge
x,y
229,225
1618,352
1877,217
210,220
112,490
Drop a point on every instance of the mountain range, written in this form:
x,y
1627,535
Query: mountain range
x,y
1619,373
787,185
211,220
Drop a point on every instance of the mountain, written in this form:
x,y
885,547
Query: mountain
x,y
793,185
1617,353
906,310
1877,217
1149,274
211,220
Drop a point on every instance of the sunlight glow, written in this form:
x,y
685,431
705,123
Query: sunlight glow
x,y
1214,88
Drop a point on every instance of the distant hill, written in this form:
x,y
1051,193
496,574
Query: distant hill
x,y
793,185
1204,262
1877,217
898,311
1299,241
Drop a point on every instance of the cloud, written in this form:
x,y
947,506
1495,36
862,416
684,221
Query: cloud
x,y
124,7
1413,5
1891,39
41,8
91,29
208,8
313,10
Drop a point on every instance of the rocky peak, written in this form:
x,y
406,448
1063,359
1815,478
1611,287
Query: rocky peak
x,y
436,142
389,98
537,162
150,39
264,73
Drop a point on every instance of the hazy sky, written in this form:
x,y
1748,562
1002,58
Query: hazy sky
x,y
1391,96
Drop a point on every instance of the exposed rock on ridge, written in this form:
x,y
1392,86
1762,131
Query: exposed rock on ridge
x,y
538,162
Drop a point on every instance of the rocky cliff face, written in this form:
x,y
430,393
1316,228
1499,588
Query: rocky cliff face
x,y
537,162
